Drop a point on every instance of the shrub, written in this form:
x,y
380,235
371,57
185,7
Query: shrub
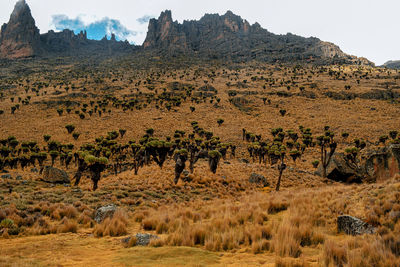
x,y
68,226
76,135
315,163
122,132
46,137
70,128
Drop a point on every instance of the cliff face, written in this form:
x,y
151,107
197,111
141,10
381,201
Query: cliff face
x,y
229,36
20,37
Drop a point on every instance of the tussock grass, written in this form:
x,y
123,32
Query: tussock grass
x,y
115,226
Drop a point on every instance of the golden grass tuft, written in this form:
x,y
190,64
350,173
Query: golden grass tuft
x,y
115,226
334,254
68,226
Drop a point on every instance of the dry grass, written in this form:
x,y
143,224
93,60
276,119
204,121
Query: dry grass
x,y
115,226
68,226
220,212
309,223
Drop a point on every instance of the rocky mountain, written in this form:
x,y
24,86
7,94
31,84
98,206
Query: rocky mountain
x,y
229,36
226,37
392,64
20,38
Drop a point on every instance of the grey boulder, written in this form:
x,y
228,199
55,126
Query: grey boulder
x,y
104,212
353,226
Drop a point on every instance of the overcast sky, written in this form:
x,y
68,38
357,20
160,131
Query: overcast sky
x,y
368,28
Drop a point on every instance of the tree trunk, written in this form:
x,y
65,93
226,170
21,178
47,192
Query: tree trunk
x,y
95,179
278,184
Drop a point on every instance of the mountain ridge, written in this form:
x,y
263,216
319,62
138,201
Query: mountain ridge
x,y
214,36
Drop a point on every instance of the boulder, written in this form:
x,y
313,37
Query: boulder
x,y
55,176
340,170
258,179
353,226
104,212
383,163
141,239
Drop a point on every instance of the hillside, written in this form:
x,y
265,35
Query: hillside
x,y
216,143
98,98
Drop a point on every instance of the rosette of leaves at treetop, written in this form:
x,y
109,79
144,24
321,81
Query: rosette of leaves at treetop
x,y
96,165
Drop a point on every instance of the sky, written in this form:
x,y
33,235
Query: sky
x,y
364,28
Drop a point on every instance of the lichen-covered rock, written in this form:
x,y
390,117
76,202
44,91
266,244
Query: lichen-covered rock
x,y
353,226
55,176
104,212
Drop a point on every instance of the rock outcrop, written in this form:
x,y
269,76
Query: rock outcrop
x,y
340,170
376,165
20,37
383,163
229,36
353,226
